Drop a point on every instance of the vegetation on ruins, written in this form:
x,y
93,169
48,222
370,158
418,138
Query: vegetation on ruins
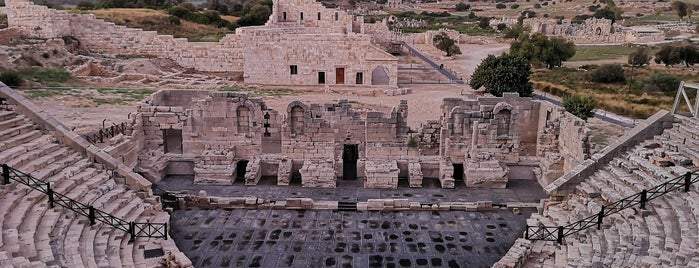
x,y
505,73
580,106
639,58
663,82
516,31
462,7
11,78
541,50
446,44
681,8
467,24
3,21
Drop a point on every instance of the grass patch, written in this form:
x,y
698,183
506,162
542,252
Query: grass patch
x,y
124,94
46,76
588,53
51,92
617,98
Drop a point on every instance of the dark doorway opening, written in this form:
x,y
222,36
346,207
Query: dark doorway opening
x,y
350,155
321,77
458,172
240,168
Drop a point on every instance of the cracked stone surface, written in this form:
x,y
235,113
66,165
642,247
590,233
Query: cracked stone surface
x,y
324,238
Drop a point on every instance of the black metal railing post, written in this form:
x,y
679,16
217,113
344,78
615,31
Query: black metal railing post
x,y
526,233
101,136
132,231
5,174
165,231
49,192
560,235
600,217
687,181
644,198
91,215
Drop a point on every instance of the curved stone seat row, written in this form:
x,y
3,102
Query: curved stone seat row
x,y
665,234
35,235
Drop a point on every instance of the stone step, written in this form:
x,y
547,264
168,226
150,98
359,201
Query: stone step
x,y
15,151
17,130
13,122
20,161
7,115
44,160
19,139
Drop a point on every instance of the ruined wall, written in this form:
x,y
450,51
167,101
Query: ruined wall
x,y
502,126
562,144
277,50
592,31
309,13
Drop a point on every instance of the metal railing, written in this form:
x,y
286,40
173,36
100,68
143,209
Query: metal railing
x,y
134,229
168,199
105,133
553,233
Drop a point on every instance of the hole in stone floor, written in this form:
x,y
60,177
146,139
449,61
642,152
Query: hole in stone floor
x,y
421,261
436,262
490,226
467,248
503,225
393,236
375,261
453,264
440,248
330,261
490,239
367,236
255,262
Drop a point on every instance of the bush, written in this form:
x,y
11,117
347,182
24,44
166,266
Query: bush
x,y
501,26
664,82
174,20
85,5
515,6
11,78
500,6
580,106
608,73
179,11
462,7
505,73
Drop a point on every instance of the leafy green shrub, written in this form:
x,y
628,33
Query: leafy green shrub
x,y
664,82
580,106
500,6
179,11
608,73
85,5
506,73
11,78
462,7
174,20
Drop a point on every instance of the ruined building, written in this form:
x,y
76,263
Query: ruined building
x,y
226,138
303,43
594,31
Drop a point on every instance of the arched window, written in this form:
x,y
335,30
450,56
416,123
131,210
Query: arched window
x,y
243,116
297,121
503,120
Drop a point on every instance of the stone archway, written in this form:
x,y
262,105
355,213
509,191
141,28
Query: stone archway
x,y
379,76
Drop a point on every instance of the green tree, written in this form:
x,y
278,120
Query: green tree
x,y
542,51
638,58
668,55
85,5
516,31
611,13
607,73
506,73
258,15
680,7
446,44
664,82
462,7
484,22
580,106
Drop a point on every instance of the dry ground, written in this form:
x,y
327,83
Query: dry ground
x,y
423,104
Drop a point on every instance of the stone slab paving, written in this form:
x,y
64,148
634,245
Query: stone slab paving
x,y
520,188
324,238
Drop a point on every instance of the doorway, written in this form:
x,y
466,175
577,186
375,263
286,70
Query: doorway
x,y
350,155
458,172
340,76
240,169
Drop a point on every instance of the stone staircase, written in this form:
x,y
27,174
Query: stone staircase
x,y
665,234
35,235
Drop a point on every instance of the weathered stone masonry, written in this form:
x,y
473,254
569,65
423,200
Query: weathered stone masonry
x,y
226,138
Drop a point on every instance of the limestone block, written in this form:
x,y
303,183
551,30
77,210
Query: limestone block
x,y
318,173
253,172
381,174
415,174
486,174
284,171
